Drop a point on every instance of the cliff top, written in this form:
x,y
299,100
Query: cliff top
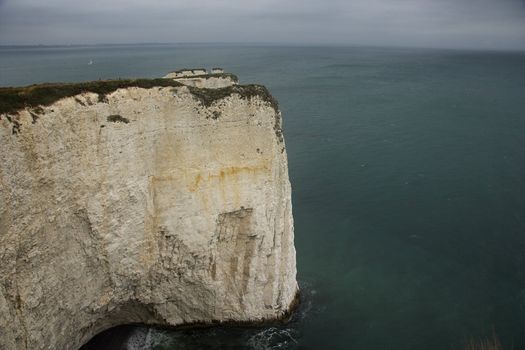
x,y
188,70
231,76
14,99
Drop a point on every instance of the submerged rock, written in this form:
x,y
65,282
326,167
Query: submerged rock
x,y
140,202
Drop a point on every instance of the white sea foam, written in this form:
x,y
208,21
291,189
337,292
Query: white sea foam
x,y
147,338
273,338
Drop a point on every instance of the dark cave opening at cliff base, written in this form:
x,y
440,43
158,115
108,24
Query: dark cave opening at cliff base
x,y
279,333
113,338
134,337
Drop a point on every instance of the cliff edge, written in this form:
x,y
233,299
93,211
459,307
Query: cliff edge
x,y
140,201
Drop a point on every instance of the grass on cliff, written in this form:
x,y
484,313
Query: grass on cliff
x,y
230,76
208,96
13,99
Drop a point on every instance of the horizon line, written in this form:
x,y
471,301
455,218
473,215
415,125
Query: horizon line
x,y
276,44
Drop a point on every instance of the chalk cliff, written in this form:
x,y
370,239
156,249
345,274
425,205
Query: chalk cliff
x,y
144,201
210,81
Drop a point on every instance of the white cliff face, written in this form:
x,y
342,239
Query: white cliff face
x,y
147,206
209,81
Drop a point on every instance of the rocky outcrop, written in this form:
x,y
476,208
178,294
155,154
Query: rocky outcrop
x,y
208,81
140,202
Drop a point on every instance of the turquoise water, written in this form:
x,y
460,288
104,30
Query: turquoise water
x,y
408,176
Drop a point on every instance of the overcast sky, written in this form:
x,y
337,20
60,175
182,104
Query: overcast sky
x,y
495,24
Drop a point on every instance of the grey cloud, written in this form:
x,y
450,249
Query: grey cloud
x,y
449,23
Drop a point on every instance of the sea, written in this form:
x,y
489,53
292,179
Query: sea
x,y
408,177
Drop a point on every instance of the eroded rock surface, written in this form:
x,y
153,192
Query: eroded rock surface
x,y
208,81
158,205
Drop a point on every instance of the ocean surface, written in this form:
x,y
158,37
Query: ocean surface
x,y
408,176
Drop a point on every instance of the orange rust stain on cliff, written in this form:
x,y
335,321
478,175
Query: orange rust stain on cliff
x,y
225,174
160,178
195,185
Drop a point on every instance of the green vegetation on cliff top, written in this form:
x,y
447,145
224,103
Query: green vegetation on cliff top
x,y
13,99
230,76
208,96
